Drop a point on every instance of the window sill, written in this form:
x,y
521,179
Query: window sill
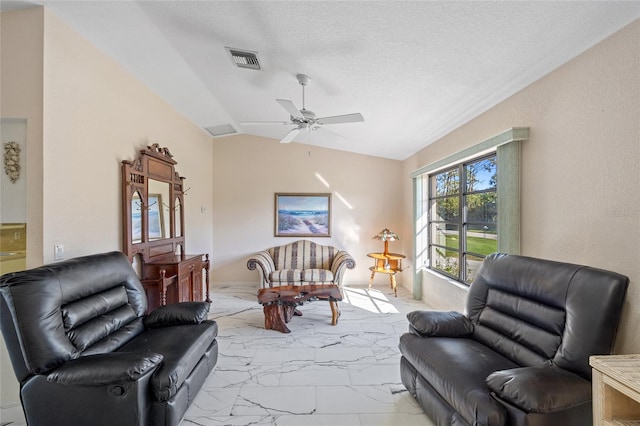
x,y
446,278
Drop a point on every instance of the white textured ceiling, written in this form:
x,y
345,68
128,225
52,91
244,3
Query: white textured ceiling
x,y
415,70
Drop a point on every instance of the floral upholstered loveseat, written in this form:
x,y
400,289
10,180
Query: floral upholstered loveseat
x,y
302,262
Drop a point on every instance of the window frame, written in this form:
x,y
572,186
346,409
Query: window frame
x,y
461,221
507,146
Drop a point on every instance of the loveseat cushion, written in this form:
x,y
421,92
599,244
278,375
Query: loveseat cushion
x,y
439,323
528,388
182,346
317,275
457,368
286,276
300,275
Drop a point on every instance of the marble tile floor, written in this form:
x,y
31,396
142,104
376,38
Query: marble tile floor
x,y
319,374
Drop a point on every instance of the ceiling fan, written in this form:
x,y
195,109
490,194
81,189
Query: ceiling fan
x,y
304,118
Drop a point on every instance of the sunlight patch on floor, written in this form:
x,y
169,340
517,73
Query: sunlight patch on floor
x,y
370,299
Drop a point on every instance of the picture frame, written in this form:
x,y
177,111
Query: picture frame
x,y
302,215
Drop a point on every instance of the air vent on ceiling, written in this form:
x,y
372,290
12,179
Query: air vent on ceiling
x,y
244,58
221,130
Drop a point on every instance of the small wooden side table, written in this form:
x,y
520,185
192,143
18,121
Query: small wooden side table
x,y
616,389
386,263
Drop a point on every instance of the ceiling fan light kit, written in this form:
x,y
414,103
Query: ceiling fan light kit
x,y
304,118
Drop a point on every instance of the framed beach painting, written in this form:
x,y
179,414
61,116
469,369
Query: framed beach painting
x,y
302,215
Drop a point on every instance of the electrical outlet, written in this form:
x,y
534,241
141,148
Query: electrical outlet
x,y
58,252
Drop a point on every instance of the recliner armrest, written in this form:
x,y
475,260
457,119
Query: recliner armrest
x,y
543,389
104,369
439,324
177,314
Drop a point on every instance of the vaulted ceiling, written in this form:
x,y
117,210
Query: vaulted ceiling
x,y
415,70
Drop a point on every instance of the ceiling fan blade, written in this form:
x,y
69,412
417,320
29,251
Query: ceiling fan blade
x,y
258,123
337,119
290,107
330,133
290,136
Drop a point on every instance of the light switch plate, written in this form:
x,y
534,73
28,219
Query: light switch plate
x,y
58,252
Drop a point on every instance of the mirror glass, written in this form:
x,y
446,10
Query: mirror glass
x,y
136,218
178,218
158,210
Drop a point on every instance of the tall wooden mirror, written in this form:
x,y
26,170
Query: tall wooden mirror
x,y
153,194
154,231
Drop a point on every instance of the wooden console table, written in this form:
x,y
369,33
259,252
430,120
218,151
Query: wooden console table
x,y
280,303
174,279
616,389
386,263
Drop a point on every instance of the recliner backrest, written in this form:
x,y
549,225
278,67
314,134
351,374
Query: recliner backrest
x,y
58,312
538,312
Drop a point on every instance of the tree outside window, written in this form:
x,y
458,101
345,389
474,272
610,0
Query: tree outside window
x,y
463,217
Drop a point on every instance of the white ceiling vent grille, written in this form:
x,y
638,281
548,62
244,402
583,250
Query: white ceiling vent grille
x,y
244,58
221,130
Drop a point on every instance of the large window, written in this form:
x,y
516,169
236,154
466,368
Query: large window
x,y
463,217
466,206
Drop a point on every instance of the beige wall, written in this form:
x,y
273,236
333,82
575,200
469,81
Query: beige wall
x,y
21,47
96,115
249,170
580,192
21,50
85,115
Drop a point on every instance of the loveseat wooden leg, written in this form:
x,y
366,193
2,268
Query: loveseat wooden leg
x,y
274,318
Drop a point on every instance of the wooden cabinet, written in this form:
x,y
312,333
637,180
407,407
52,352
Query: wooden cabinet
x,y
181,279
154,230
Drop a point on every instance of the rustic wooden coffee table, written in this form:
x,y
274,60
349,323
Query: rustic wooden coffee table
x,y
280,303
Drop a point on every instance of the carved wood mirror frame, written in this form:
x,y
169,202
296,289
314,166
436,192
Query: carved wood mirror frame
x,y
152,226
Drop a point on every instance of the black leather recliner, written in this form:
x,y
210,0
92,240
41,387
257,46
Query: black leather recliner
x,y
85,353
520,355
